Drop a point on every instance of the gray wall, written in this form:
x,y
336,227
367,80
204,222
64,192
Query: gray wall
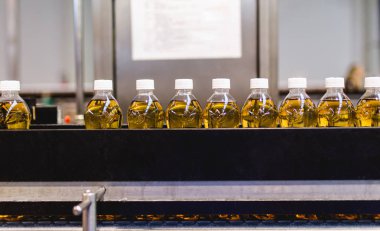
x,y
46,45
322,38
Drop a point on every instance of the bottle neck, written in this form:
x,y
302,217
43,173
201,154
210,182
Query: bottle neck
x,y
297,90
9,94
373,90
145,92
103,92
335,90
184,92
221,90
259,91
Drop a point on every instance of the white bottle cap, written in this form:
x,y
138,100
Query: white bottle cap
x,y
103,85
259,83
297,82
221,83
337,82
186,84
371,82
145,84
10,85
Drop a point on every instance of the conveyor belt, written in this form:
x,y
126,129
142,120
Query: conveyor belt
x,y
199,226
200,221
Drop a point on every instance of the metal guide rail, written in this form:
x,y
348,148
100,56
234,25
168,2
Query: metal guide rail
x,y
124,206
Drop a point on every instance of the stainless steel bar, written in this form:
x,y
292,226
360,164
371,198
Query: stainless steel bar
x,y
88,208
79,53
100,193
195,191
12,11
89,214
102,38
78,209
268,44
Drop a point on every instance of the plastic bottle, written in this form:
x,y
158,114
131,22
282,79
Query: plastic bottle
x,y
103,111
335,109
145,110
221,110
297,110
184,110
14,113
259,110
368,108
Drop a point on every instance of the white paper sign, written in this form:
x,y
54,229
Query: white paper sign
x,y
185,29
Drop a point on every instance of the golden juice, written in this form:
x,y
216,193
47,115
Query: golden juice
x,y
181,114
368,113
142,115
335,113
221,115
103,114
14,115
297,113
259,113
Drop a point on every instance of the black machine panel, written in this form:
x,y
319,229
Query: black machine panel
x,y
77,154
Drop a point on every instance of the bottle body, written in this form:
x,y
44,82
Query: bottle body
x,y
184,111
335,109
145,112
14,113
297,110
259,110
221,111
368,109
103,112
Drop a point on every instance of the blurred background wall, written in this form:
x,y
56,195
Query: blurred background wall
x,y
316,39
46,45
322,38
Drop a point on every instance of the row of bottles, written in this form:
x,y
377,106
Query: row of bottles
x,y
335,109
184,111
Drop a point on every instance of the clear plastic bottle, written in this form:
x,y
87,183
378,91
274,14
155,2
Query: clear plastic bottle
x,y
259,110
145,110
221,110
368,108
335,109
184,110
103,111
297,110
14,113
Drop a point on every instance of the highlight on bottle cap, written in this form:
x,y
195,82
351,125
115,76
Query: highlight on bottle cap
x,y
334,82
370,82
297,82
10,85
221,83
145,84
259,83
103,84
186,84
